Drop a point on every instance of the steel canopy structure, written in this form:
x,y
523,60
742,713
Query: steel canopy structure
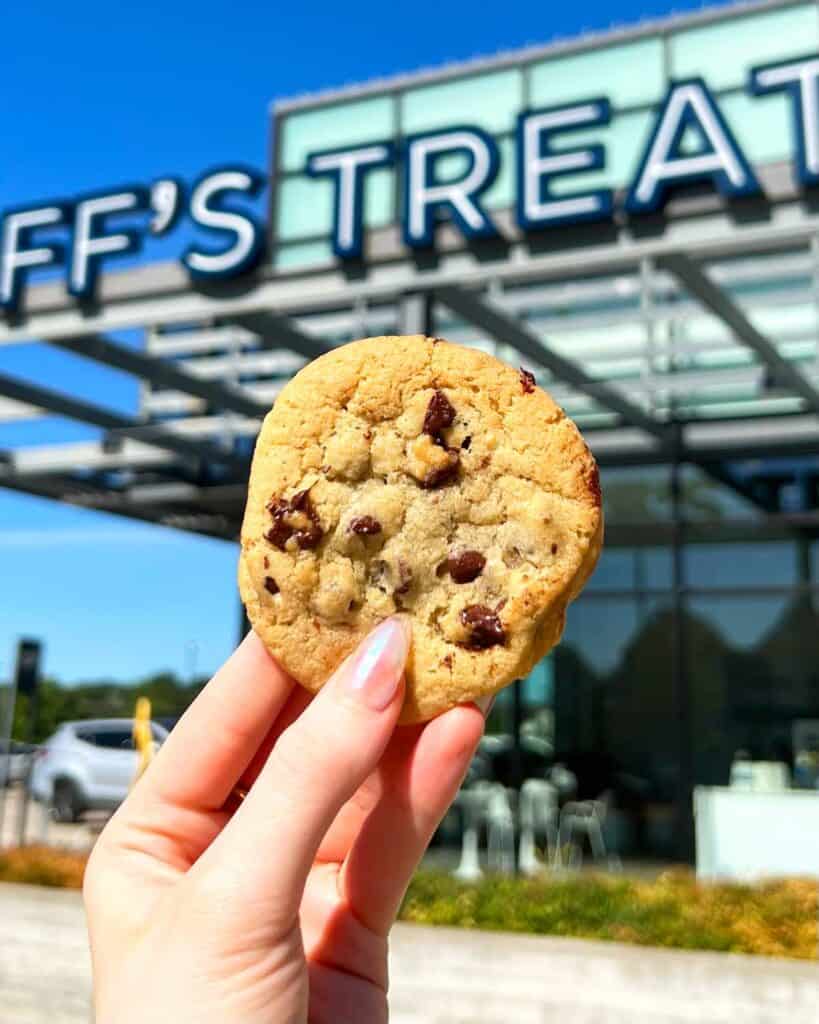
x,y
685,336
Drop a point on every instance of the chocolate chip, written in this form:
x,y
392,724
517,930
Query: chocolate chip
x,y
447,660
527,381
485,629
465,566
266,561
467,441
440,414
444,473
289,521
271,586
594,487
404,577
365,525
554,549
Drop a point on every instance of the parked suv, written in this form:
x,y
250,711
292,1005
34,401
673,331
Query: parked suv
x,y
87,766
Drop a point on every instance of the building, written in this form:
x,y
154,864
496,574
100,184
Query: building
x,y
633,216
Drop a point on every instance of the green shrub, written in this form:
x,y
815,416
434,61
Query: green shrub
x,y
777,919
42,865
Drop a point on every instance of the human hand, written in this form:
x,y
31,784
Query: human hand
x,y
276,910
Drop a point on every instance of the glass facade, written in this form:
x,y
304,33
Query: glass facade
x,y
745,613
633,74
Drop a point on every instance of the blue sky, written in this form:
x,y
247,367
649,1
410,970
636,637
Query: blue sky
x,y
95,96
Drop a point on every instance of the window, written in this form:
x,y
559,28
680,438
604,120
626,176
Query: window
x,y
113,739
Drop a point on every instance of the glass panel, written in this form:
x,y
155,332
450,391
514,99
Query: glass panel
x,y
490,101
755,671
782,321
627,568
615,724
112,739
303,254
305,205
765,563
723,53
629,75
762,125
339,124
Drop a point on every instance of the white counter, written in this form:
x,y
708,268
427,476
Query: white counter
x,y
745,835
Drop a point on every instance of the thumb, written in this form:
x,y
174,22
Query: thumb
x,y
317,764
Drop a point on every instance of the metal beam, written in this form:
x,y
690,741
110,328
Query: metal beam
x,y
133,503
718,302
499,325
277,331
161,373
189,521
505,328
122,426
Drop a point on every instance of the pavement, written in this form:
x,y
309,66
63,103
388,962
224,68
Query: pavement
x,y
447,976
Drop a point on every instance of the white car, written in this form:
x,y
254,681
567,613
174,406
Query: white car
x,y
88,766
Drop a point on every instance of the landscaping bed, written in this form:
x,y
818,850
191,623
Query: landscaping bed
x,y
773,919
674,910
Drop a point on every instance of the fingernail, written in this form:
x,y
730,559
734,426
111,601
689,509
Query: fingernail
x,y
484,704
374,673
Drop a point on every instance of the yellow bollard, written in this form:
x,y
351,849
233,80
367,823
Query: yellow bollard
x,y
143,737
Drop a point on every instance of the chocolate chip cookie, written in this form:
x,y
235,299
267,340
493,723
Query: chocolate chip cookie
x,y
409,475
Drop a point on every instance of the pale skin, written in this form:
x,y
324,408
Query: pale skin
x,y
277,909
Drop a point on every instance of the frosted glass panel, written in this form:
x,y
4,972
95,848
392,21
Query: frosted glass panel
x,y
306,204
786,320
304,254
723,53
761,124
491,101
305,207
341,124
630,76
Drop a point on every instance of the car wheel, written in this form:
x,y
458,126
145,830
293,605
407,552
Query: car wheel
x,y
65,803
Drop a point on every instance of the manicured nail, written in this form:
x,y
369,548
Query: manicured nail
x,y
374,672
484,704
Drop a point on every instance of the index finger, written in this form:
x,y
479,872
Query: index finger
x,y
216,739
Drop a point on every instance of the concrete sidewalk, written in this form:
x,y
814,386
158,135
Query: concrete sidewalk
x,y
448,976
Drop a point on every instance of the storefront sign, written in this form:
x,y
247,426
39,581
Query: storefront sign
x,y
690,142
